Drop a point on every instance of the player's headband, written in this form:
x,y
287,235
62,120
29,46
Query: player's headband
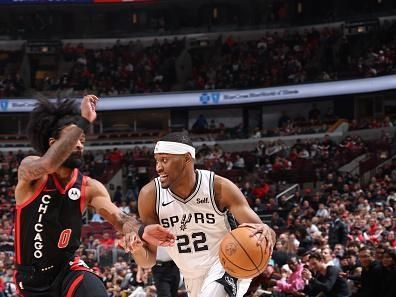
x,y
174,148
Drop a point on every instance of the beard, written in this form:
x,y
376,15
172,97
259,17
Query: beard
x,y
75,160
165,186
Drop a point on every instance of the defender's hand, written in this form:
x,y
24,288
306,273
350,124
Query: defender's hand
x,y
131,243
157,235
88,107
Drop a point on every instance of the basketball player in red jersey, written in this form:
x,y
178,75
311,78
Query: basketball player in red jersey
x,y
51,196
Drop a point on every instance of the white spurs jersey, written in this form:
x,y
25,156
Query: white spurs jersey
x,y
196,221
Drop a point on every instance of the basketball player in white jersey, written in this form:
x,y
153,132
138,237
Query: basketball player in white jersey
x,y
195,206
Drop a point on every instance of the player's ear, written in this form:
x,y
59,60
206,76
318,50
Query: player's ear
x,y
51,141
187,158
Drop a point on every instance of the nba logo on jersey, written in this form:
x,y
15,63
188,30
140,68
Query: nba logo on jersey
x,y
74,193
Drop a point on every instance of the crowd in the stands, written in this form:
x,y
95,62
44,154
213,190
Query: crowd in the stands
x,y
275,58
342,229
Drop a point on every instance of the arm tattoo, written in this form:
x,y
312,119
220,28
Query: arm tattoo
x,y
55,156
121,221
61,149
128,223
31,172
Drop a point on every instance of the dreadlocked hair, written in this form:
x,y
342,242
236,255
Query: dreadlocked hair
x,y
48,119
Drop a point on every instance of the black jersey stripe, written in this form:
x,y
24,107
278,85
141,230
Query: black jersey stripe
x,y
212,194
157,196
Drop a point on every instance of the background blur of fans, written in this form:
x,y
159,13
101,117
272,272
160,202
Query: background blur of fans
x,y
321,170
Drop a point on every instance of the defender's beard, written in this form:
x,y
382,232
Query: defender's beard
x,y
75,160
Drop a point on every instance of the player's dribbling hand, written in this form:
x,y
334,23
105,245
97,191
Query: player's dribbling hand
x,y
88,107
157,235
263,231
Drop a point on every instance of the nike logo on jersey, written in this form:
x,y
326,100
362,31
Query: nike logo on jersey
x,y
165,204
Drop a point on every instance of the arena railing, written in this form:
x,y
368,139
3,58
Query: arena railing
x,y
289,193
226,97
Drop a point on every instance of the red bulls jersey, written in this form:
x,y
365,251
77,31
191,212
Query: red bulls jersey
x,y
48,224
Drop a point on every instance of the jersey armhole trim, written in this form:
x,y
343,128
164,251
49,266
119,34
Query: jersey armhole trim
x,y
83,200
212,194
34,195
157,197
17,245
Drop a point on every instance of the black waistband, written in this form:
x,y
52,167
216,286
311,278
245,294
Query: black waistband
x,y
165,264
38,269
55,267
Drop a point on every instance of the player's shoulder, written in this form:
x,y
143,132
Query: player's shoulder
x,y
25,188
146,203
219,180
24,174
30,158
223,186
92,182
148,190
94,187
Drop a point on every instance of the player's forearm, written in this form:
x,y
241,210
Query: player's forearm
x,y
32,169
63,147
144,257
125,223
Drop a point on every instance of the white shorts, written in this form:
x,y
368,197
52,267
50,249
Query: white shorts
x,y
207,285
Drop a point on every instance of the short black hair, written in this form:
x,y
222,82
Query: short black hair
x,y
367,248
181,137
47,120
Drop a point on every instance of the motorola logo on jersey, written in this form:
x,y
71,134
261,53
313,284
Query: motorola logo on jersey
x,y
74,194
39,226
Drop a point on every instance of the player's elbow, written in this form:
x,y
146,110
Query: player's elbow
x,y
48,166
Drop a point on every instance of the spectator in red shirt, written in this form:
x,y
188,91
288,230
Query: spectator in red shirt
x,y
372,227
116,156
106,241
261,190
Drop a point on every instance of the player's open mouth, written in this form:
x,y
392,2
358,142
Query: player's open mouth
x,y
163,177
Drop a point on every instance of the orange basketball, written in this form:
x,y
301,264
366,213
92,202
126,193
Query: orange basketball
x,y
240,255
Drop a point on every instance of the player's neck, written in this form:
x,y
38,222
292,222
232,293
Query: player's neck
x,y
186,185
64,175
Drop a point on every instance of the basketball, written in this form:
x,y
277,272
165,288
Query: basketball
x,y
240,255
